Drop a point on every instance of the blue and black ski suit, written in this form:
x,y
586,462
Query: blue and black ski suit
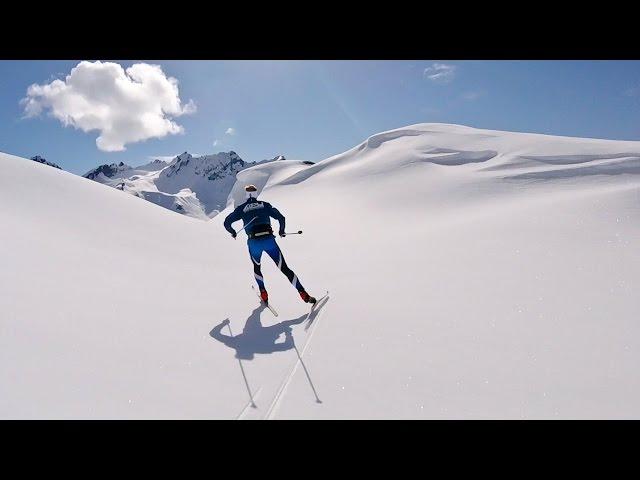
x,y
256,217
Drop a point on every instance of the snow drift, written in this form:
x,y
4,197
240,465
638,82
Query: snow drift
x,y
472,274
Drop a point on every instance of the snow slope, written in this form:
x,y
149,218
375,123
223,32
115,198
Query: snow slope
x,y
472,274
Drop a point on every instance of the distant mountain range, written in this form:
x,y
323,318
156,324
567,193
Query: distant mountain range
x,y
39,159
197,186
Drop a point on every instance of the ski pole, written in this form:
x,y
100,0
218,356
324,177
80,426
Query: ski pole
x,y
247,224
293,233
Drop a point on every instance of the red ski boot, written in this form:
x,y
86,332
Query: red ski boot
x,y
306,297
264,296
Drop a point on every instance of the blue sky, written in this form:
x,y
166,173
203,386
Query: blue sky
x,y
313,109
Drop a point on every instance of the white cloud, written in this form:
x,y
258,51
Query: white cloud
x,y
429,110
216,142
440,72
471,96
632,92
125,106
230,131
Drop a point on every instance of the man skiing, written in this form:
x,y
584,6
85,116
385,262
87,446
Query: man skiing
x,y
255,216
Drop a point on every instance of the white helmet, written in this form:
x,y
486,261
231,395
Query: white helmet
x,y
251,191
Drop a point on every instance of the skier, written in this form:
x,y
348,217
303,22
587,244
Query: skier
x,y
255,217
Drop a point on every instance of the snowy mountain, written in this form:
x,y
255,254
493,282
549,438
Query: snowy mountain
x,y
194,186
44,161
472,274
104,172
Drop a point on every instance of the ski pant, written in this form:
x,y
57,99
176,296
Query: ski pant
x,y
268,244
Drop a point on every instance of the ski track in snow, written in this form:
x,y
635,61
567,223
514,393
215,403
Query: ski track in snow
x,y
290,369
273,407
250,404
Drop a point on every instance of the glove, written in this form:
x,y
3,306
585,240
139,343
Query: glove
x,y
282,234
234,234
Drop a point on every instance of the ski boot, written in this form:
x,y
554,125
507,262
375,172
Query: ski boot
x,y
264,296
306,297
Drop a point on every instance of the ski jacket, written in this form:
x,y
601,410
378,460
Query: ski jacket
x,y
256,214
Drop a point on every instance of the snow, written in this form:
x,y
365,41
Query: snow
x,y
195,186
471,274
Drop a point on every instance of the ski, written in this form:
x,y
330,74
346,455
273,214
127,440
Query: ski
x,y
315,307
271,308
265,304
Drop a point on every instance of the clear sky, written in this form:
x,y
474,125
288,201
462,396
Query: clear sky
x,y
305,110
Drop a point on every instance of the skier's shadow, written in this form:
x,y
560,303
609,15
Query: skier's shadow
x,y
255,338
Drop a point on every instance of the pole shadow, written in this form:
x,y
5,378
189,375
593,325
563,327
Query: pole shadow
x,y
258,339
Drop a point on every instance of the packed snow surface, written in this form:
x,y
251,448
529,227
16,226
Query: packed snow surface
x,y
471,274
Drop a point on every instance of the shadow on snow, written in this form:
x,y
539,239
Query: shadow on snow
x,y
255,338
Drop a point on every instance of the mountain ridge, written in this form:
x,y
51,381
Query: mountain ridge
x,y
196,186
